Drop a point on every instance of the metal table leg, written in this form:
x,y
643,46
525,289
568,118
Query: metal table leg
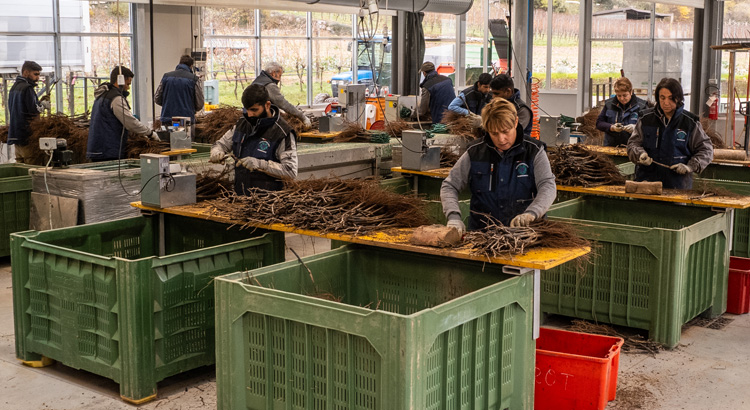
x,y
537,312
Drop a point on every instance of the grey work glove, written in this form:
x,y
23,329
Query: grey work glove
x,y
217,155
644,159
629,128
307,122
251,163
45,104
454,221
522,220
154,136
681,169
476,120
616,127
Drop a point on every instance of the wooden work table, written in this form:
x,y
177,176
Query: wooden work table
x,y
715,201
623,152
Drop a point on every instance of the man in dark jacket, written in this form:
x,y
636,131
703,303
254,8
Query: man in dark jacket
x,y
620,114
671,136
262,143
180,92
502,86
270,78
437,93
23,107
111,119
471,100
508,174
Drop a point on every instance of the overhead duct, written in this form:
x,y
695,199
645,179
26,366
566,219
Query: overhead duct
x,y
415,6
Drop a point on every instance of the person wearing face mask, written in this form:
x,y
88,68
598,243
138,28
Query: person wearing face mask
x,y
668,143
620,114
112,121
508,174
471,100
23,107
180,92
270,78
262,143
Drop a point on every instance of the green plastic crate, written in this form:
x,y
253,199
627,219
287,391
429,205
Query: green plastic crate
x,y
741,231
412,331
15,202
97,297
430,192
726,172
655,266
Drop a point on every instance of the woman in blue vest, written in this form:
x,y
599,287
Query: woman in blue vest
x,y
668,143
508,174
620,113
262,143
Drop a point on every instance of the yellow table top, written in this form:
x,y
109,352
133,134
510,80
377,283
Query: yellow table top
x,y
437,173
537,258
667,196
623,152
180,151
319,135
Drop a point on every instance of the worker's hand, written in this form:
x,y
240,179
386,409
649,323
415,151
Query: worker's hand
x,y
46,105
250,163
307,122
629,128
476,120
616,127
45,97
681,169
217,155
644,159
154,136
454,221
522,220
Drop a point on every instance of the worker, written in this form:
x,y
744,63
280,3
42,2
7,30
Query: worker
x,y
620,114
23,107
262,143
508,174
180,92
437,93
668,143
269,77
502,86
471,100
111,119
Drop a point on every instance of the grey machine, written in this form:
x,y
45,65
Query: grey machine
x,y
164,184
351,108
417,154
551,131
179,133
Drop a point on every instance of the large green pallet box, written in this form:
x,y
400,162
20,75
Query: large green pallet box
x,y
429,190
411,331
654,266
98,298
15,202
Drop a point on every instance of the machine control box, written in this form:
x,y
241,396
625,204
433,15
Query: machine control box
x,y
417,154
161,187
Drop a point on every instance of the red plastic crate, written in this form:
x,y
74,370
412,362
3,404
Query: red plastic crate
x,y
738,296
575,371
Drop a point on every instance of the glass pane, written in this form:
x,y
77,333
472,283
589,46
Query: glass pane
x,y
292,55
635,63
674,59
442,55
674,21
611,20
94,16
228,21
539,64
332,65
374,48
742,62
439,25
565,47
736,18
30,15
231,61
331,25
283,23
14,50
606,62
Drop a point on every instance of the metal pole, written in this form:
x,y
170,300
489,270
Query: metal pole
x,y
651,60
548,81
58,54
485,36
85,94
355,51
309,59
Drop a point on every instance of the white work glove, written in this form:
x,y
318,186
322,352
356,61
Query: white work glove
x,y
217,155
681,169
629,128
476,120
45,104
644,159
154,136
454,221
251,163
307,122
522,220
616,127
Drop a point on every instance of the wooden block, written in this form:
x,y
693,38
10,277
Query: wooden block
x,y
643,187
438,236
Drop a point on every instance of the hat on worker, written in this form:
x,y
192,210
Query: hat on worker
x,y
427,67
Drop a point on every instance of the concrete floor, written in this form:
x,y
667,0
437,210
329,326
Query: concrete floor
x,y
710,369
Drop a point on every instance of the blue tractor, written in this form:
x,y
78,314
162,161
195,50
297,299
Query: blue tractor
x,y
375,53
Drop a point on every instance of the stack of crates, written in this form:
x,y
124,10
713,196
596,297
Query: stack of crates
x,y
131,300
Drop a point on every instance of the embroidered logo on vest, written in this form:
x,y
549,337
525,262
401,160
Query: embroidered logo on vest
x,y
681,135
522,170
263,146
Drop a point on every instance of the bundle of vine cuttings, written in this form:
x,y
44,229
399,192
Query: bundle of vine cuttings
x,y
574,165
352,132
497,239
461,125
138,145
73,129
588,126
352,206
212,184
716,139
3,134
297,124
448,157
397,128
211,127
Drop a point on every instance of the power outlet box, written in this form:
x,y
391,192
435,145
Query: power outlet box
x,y
47,144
